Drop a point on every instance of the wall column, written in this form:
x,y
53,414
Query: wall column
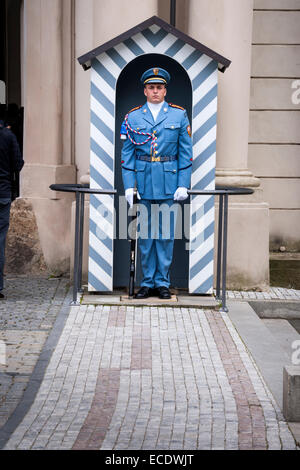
x,y
226,27
48,124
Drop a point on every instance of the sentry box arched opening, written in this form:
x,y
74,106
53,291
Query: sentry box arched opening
x,y
196,67
129,94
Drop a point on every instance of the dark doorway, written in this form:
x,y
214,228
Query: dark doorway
x,y
10,57
11,110
129,94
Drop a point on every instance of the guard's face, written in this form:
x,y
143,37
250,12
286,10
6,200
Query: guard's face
x,y
155,92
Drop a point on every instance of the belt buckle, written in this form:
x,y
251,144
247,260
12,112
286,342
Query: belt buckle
x,y
155,159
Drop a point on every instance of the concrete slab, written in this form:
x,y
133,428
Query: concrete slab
x,y
275,309
268,354
283,332
291,393
198,301
94,299
295,428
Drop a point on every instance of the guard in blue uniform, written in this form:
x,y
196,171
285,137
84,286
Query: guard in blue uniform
x,y
157,157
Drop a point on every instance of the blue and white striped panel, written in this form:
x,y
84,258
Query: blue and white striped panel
x,y
203,177
202,71
102,137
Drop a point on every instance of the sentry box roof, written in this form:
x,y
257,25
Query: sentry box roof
x,y
165,28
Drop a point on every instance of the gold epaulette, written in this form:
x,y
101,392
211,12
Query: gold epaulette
x,y
176,106
133,109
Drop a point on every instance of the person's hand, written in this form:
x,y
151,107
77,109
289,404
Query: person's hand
x,y
129,196
181,194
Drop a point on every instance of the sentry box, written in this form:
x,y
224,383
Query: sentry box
x,y
116,67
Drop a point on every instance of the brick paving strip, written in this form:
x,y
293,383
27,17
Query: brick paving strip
x,y
96,424
251,423
151,378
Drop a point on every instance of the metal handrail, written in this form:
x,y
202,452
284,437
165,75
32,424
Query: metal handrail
x,y
80,190
223,192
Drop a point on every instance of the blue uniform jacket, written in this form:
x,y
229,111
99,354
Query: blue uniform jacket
x,y
158,180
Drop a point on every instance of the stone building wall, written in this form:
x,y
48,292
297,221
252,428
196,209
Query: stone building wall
x,y
274,133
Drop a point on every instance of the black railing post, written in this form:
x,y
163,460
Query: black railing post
x,y
81,224
224,260
76,247
173,13
219,254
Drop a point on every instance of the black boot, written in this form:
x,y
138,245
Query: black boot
x,y
143,293
163,292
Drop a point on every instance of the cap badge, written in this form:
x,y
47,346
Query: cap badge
x,y
155,71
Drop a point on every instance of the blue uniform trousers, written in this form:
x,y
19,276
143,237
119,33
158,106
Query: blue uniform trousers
x,y
4,224
156,232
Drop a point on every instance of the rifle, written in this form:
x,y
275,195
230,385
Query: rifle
x,y
133,244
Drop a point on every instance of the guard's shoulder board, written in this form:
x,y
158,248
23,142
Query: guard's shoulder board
x,y
133,109
123,132
176,106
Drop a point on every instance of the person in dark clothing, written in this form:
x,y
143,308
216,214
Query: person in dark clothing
x,y
11,162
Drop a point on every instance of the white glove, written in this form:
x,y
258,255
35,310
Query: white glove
x,y
129,196
180,194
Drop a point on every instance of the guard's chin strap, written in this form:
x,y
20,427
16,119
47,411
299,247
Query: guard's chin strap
x,y
150,136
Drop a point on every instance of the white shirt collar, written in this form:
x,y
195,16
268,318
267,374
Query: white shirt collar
x,y
155,108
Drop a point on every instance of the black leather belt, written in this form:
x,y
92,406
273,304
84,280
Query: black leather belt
x,y
162,158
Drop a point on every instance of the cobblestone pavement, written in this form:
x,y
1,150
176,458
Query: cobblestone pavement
x,y
274,293
26,318
150,378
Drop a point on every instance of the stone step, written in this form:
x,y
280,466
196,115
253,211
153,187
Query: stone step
x,y
175,301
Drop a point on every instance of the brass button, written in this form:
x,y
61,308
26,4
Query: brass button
x,y
172,127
